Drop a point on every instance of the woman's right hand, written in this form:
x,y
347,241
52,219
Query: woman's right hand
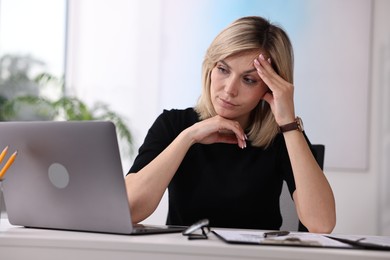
x,y
218,129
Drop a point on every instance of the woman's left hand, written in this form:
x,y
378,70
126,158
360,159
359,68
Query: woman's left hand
x,y
281,94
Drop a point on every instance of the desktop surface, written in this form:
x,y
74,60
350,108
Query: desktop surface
x,y
23,243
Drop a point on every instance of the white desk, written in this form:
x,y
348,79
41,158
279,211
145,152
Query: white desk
x,y
26,243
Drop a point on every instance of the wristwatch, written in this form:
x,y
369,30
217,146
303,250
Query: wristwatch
x,y
296,125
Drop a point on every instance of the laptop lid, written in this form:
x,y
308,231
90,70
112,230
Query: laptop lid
x,y
68,175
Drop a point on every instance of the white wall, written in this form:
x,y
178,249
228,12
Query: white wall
x,y
362,197
380,152
113,58
115,55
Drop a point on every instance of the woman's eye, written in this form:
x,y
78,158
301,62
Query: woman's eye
x,y
222,70
249,81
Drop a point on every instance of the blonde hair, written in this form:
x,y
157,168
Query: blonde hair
x,y
249,34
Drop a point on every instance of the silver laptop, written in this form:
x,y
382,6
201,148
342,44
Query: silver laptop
x,y
68,175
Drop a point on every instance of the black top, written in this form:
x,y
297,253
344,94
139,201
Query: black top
x,y
232,187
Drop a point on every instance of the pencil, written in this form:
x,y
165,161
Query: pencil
x,y
8,164
3,153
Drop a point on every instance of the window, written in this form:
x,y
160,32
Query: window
x,y
32,42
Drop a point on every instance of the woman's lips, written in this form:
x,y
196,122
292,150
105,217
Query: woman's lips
x,y
226,104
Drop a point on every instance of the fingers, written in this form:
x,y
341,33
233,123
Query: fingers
x,y
228,136
219,130
267,73
282,91
231,132
280,88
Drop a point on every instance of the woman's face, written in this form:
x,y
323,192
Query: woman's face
x,y
236,88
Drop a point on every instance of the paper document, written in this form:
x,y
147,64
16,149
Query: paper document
x,y
294,239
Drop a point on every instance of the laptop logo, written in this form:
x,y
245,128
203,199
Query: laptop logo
x,y
58,175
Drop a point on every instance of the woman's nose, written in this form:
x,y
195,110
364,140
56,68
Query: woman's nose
x,y
231,87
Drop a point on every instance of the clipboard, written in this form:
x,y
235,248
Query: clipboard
x,y
365,242
304,239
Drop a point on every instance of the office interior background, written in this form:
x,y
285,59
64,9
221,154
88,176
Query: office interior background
x,y
142,56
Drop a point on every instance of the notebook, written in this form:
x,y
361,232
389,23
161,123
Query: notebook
x,y
68,175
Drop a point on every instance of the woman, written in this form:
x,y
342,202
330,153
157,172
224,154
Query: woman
x,y
226,159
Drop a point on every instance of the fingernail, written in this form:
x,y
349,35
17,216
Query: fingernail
x,y
261,56
269,60
257,65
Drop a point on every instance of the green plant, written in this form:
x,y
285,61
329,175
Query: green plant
x,y
21,99
68,108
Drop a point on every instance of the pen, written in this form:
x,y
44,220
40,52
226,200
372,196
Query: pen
x,y
3,153
276,233
8,164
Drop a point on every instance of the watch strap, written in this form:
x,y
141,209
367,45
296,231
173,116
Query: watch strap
x,y
291,126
